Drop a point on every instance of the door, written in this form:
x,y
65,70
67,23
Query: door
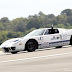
x,y
52,38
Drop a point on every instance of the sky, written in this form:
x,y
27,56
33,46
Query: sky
x,y
23,8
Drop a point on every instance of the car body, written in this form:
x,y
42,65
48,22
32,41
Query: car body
x,y
39,38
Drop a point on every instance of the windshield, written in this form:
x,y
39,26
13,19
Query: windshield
x,y
36,33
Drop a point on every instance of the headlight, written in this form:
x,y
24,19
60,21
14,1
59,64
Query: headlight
x,y
16,41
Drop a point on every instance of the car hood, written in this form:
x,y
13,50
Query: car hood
x,y
10,42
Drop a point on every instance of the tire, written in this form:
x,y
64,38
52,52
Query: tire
x,y
31,45
71,41
59,47
14,52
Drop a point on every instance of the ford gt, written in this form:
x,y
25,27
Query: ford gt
x,y
39,38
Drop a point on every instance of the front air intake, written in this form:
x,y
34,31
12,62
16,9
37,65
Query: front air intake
x,y
6,49
13,48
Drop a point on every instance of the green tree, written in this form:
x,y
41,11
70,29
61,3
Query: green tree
x,y
3,36
14,34
62,19
34,22
4,20
19,24
67,12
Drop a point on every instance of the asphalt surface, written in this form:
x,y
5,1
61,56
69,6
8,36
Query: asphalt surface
x,y
42,60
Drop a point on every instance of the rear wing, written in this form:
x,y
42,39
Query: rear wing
x,y
69,32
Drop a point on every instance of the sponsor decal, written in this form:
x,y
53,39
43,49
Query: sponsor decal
x,y
56,37
52,44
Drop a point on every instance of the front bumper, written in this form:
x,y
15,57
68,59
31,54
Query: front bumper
x,y
8,49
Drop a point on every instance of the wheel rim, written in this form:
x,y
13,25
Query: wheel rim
x,y
31,45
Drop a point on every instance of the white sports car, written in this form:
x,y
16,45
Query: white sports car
x,y
39,38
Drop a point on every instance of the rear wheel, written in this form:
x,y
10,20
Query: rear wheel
x,y
59,47
71,41
31,45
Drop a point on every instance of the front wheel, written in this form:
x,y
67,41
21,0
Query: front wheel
x,y
14,52
31,45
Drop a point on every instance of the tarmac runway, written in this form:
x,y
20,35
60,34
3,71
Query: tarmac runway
x,y
42,60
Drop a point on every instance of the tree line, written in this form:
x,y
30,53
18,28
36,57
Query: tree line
x,y
19,27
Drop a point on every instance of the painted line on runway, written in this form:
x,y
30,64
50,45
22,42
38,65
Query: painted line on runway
x,y
36,57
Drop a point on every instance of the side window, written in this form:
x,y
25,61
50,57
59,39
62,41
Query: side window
x,y
47,32
51,31
56,31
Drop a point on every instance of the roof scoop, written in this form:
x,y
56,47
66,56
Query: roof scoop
x,y
52,26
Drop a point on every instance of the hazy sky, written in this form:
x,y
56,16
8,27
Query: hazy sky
x,y
23,8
